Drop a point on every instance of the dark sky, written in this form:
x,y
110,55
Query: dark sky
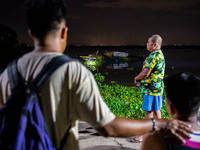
x,y
118,22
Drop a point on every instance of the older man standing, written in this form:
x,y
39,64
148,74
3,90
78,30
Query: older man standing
x,y
151,79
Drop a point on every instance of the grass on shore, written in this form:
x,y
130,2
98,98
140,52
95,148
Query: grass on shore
x,y
125,101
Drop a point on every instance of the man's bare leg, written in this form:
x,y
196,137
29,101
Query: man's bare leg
x,y
157,114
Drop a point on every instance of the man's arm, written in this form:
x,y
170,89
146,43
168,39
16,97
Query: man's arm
x,y
143,74
123,127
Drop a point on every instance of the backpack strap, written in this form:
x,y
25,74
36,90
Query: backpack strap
x,y
13,75
55,63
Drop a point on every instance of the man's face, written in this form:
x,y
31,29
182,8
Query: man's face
x,y
150,45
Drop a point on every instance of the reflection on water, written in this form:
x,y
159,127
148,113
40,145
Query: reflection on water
x,y
120,66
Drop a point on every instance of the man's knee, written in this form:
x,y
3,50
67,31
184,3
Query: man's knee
x,y
149,114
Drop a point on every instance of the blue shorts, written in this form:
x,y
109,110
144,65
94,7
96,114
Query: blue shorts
x,y
152,103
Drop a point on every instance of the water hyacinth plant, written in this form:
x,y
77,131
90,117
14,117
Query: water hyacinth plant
x,y
124,101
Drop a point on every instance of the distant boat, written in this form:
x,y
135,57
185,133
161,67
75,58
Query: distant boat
x,y
113,56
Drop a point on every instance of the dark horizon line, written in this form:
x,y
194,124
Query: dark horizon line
x,y
136,45
166,45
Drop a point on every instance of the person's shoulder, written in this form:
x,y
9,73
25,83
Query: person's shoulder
x,y
154,142
76,68
160,52
3,75
75,63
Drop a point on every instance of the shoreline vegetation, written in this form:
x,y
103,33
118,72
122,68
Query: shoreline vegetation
x,y
125,101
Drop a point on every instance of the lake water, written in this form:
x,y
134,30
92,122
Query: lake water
x,y
185,59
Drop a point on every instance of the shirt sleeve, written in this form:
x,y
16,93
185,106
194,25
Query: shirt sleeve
x,y
4,88
150,62
89,103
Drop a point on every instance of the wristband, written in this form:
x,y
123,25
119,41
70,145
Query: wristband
x,y
154,126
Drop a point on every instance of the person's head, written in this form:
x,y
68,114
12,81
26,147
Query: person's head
x,y
183,94
45,17
154,43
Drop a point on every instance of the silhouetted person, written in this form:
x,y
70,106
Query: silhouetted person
x,y
183,101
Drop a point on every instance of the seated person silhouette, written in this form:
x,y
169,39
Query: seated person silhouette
x,y
183,101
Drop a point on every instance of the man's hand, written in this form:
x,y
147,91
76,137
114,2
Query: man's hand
x,y
143,74
175,131
135,80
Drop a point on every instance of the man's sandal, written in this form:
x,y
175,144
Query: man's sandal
x,y
133,140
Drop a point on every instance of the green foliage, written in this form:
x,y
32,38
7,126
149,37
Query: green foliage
x,y
99,77
131,69
92,65
124,101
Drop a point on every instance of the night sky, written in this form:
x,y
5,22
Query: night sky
x,y
118,22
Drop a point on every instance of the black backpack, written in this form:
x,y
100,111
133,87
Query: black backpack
x,y
22,125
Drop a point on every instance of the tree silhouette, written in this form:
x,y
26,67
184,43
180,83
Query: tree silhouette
x,y
8,35
10,46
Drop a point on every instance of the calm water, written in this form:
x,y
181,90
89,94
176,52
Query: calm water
x,y
177,59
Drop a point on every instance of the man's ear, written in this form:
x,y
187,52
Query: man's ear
x,y
30,34
64,33
172,109
155,45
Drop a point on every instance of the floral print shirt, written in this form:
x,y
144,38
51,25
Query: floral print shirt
x,y
153,84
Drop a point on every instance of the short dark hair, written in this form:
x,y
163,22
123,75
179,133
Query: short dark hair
x,y
183,90
44,16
